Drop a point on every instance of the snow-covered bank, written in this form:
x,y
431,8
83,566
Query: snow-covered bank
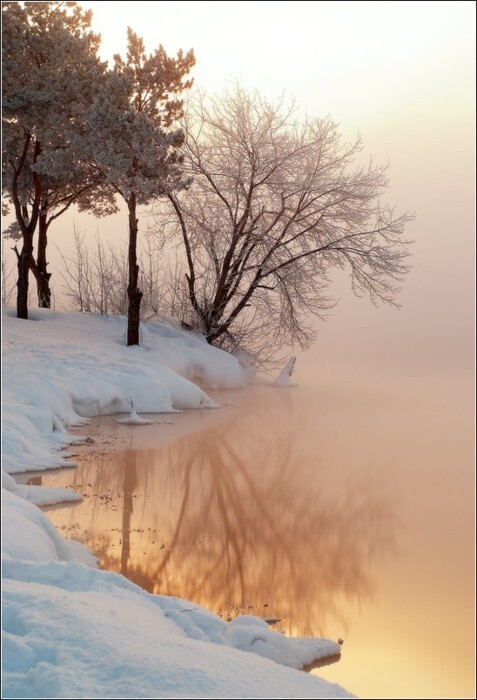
x,y
60,369
68,629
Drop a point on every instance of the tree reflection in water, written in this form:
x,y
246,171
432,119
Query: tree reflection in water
x,y
238,517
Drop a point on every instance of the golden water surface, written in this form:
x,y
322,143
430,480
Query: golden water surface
x,y
341,511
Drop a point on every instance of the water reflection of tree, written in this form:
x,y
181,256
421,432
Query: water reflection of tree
x,y
129,484
246,520
269,535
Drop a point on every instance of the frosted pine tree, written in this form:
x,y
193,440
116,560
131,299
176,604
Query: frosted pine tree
x,y
50,74
133,142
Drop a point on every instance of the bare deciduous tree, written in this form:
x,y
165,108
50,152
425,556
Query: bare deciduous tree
x,y
96,279
275,206
8,279
152,274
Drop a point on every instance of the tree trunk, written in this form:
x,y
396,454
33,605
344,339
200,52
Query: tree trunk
x,y
23,264
134,294
42,276
27,225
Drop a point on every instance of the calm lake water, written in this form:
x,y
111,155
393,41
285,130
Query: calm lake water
x,y
344,509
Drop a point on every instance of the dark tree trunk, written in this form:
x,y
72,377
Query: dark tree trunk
x,y
27,225
134,293
23,264
42,276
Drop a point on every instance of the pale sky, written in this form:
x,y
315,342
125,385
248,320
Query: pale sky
x,y
351,59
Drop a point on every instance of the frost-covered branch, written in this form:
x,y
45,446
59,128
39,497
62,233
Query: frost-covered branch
x,y
276,206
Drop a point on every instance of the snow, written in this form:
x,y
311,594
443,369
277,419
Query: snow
x,y
69,629
70,366
134,419
131,644
28,535
284,378
41,496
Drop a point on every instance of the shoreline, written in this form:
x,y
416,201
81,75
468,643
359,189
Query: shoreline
x,y
103,435
65,619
